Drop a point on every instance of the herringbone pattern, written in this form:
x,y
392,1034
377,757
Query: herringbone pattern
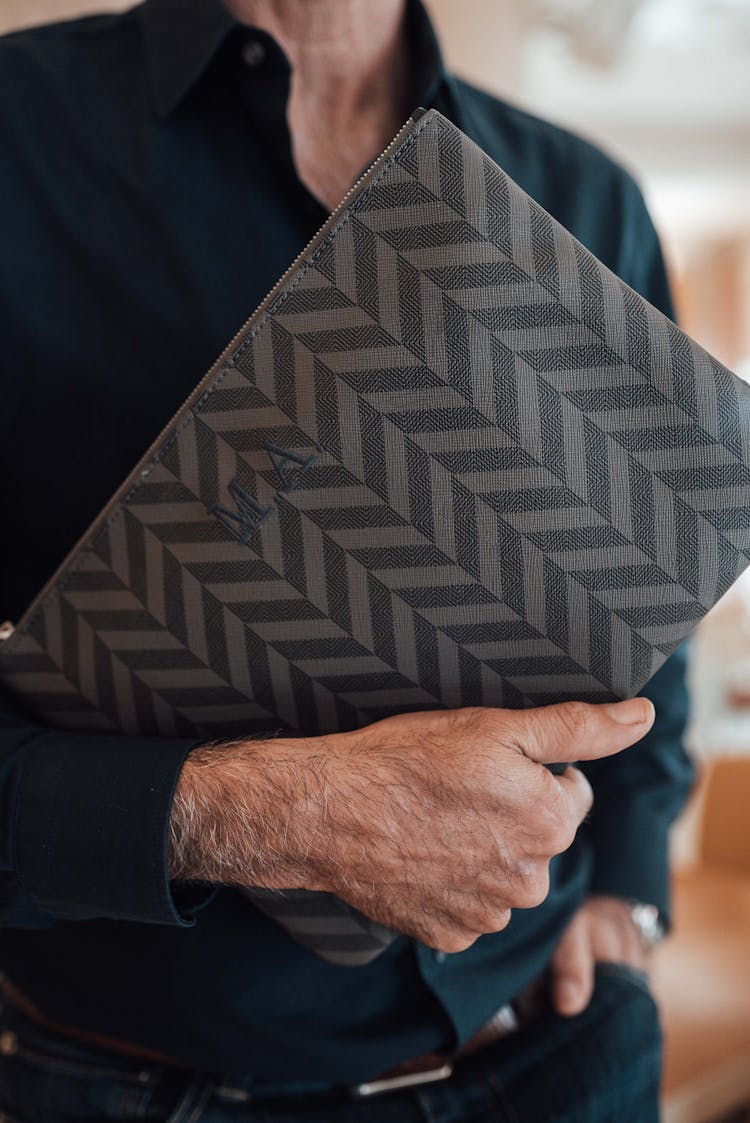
x,y
455,461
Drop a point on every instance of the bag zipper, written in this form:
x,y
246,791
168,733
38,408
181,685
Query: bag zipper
x,y
8,629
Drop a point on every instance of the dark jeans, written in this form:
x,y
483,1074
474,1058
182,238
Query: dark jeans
x,y
602,1067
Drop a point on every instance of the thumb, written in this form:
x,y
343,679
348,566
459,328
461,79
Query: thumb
x,y
579,731
573,970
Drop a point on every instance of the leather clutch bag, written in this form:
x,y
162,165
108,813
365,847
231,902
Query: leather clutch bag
x,y
450,460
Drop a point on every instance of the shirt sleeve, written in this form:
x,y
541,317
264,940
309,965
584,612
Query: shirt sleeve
x,y
639,793
84,826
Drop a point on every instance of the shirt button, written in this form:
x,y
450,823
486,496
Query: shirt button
x,y
253,53
440,956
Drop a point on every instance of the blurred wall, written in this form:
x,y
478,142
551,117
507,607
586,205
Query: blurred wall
x,y
23,13
665,87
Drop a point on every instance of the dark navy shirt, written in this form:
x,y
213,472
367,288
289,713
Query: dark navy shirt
x,y
148,201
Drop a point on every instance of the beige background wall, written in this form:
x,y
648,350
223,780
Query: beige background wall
x,y
21,13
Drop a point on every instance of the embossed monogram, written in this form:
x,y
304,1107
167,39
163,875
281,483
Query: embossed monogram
x,y
248,514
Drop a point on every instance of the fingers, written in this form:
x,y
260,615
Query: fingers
x,y
615,938
579,795
555,808
449,933
573,970
455,927
579,731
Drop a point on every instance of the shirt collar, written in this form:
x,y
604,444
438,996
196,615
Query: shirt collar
x,y
183,36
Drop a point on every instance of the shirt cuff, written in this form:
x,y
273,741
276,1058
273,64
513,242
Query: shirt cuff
x,y
92,823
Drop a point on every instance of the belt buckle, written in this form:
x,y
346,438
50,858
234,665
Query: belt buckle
x,y
396,1083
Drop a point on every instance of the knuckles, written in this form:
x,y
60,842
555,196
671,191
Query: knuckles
x,y
487,722
553,829
496,921
586,789
486,919
452,942
553,732
467,930
529,885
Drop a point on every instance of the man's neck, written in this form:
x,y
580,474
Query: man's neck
x,y
350,87
346,54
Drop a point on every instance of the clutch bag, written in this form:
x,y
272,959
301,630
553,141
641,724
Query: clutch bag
x,y
450,460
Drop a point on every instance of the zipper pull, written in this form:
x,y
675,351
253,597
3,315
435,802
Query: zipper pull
x,y
6,631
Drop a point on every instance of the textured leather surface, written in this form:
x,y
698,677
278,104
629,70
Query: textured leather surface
x,y
456,461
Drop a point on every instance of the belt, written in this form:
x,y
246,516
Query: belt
x,y
427,1069
432,1067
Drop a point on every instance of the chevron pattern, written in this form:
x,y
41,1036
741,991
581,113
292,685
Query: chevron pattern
x,y
454,461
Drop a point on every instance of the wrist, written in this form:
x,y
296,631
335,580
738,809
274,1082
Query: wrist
x,y
248,813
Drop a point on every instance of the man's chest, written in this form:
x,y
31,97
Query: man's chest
x,y
115,303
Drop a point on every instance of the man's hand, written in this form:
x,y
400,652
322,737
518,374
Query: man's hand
x,y
601,931
435,824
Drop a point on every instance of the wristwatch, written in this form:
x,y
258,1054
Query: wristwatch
x,y
649,923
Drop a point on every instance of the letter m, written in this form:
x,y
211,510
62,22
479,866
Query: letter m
x,y
247,516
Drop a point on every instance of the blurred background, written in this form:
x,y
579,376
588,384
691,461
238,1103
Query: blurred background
x,y
664,86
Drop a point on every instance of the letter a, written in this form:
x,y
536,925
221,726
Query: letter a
x,y
290,466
